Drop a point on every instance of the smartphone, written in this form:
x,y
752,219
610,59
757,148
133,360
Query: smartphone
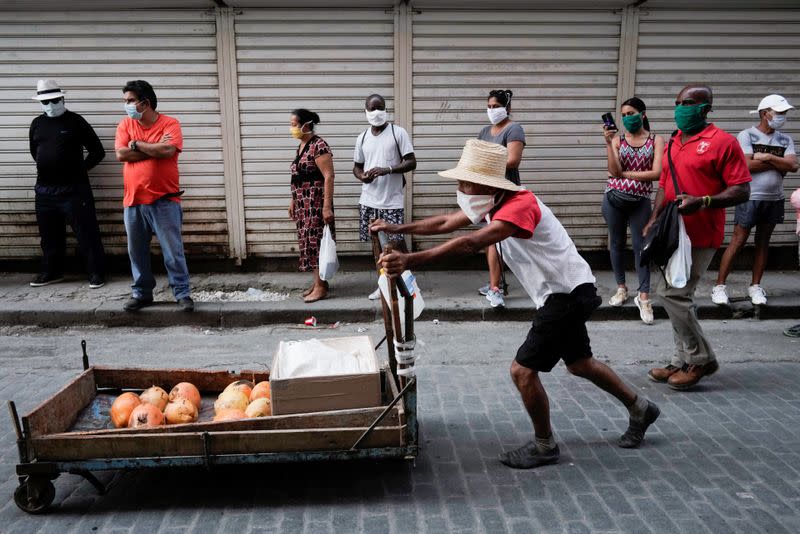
x,y
608,121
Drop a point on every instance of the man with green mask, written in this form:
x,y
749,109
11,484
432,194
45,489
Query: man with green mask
x,y
712,174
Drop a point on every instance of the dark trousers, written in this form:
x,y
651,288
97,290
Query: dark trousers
x,y
54,209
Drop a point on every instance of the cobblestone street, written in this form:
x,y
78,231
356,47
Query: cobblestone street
x,y
723,458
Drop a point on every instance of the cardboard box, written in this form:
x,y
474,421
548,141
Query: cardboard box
x,y
332,392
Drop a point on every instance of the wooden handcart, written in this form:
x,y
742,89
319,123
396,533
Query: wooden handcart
x,y
69,432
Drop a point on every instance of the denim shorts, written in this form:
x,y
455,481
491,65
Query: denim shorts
x,y
755,212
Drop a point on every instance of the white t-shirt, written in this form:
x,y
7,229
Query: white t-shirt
x,y
541,254
766,185
385,192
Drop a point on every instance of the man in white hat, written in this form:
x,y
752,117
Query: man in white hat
x,y
770,155
559,281
58,138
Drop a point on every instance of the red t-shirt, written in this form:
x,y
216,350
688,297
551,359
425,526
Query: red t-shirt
x,y
522,210
148,180
709,162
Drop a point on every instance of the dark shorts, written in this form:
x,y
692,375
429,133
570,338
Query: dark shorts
x,y
367,214
559,330
755,212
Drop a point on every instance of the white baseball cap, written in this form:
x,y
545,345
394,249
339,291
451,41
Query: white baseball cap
x,y
48,90
775,103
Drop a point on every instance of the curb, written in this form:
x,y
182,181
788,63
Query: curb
x,y
253,314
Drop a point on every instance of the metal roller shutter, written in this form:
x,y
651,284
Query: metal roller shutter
x,y
562,67
92,55
324,60
728,50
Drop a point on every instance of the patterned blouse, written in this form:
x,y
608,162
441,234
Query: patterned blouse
x,y
304,167
633,158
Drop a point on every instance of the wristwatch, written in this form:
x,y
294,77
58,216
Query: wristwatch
x,y
134,147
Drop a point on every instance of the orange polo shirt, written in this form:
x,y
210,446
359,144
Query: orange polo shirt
x,y
148,180
709,162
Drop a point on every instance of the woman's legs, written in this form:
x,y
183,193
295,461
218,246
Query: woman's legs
x,y
638,220
617,222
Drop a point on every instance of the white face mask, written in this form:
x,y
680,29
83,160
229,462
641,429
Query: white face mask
x,y
54,110
377,117
476,207
777,122
496,115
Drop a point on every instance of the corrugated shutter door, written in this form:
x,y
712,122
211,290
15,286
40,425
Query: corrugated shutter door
x,y
92,55
324,60
730,51
562,68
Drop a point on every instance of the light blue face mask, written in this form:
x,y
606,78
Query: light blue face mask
x,y
130,109
54,110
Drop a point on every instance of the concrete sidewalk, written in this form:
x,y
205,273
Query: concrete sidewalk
x,y
449,296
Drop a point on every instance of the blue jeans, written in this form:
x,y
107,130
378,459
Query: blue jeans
x,y
618,220
163,218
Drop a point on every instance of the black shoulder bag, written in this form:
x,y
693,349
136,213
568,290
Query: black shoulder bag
x,y
662,239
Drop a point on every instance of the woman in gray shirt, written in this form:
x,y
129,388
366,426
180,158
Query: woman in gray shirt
x,y
502,131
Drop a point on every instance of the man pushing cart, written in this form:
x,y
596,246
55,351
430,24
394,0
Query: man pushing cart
x,y
559,281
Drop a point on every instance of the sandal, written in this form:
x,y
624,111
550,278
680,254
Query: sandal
x,y
309,300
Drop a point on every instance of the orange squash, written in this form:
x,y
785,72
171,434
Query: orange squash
x,y
188,391
259,408
180,411
261,391
229,414
245,386
231,398
146,415
122,407
156,396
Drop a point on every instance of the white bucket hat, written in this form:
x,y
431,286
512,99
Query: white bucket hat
x,y
47,90
482,163
775,103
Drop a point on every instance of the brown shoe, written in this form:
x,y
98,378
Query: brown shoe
x,y
687,377
662,374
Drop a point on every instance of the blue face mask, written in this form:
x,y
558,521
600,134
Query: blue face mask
x,y
130,109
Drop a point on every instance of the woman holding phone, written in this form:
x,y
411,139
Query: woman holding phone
x,y
634,163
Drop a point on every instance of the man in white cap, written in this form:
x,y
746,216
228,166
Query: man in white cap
x,y
770,155
558,280
63,193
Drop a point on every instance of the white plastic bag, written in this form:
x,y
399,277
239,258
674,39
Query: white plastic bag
x,y
679,266
416,294
328,261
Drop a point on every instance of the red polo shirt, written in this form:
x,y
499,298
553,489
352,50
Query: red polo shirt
x,y
709,162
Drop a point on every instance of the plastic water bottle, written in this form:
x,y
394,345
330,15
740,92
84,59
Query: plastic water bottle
x,y
411,283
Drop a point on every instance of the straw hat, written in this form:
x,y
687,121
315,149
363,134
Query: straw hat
x,y
47,90
482,163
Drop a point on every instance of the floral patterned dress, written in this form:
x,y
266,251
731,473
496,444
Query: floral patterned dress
x,y
308,194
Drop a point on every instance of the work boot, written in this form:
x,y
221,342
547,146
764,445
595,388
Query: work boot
x,y
690,375
529,456
136,303
186,304
662,374
634,435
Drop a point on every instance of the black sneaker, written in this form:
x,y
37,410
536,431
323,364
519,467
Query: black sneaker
x,y
528,457
96,281
186,304
136,303
636,429
45,279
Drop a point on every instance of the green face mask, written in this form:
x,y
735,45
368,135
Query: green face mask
x,y
690,119
632,123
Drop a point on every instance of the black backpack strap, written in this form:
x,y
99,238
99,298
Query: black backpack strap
x,y
674,174
399,153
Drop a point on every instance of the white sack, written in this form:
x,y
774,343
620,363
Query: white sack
x,y
296,359
679,266
328,261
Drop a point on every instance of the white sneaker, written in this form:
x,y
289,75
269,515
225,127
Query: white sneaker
x,y
484,290
375,295
719,295
495,297
619,298
757,294
645,309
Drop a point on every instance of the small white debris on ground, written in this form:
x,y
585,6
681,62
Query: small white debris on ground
x,y
251,295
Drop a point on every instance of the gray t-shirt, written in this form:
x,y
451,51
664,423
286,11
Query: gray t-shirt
x,y
512,132
766,185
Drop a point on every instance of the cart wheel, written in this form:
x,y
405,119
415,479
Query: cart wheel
x,y
35,495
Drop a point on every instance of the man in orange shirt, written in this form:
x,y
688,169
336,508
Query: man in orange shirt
x,y
148,144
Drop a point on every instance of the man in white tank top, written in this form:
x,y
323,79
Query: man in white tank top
x,y
559,281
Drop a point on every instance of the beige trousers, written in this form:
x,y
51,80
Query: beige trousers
x,y
691,345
